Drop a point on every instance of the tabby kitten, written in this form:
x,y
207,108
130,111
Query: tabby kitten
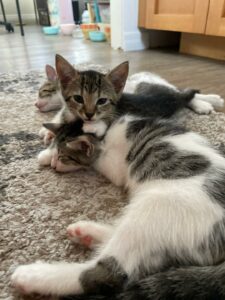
x,y
49,94
88,95
170,241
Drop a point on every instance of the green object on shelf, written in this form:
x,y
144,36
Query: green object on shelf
x,y
97,12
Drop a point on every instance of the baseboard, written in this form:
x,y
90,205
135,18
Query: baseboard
x,y
14,17
203,45
135,40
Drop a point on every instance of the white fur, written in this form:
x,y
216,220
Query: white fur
x,y
98,128
97,233
215,100
44,278
201,107
148,77
54,102
45,156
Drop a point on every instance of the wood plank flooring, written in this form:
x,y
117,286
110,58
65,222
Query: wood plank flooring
x,y
36,49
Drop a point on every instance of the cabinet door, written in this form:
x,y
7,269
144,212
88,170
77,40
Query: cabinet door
x,y
176,15
216,18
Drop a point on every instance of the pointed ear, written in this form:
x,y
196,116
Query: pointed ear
x,y
82,143
64,70
118,76
53,127
51,73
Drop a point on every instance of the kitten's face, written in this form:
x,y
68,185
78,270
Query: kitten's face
x,y
74,147
89,94
49,94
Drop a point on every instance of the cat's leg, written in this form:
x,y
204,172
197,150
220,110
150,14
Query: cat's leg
x,y
200,107
215,100
46,279
88,233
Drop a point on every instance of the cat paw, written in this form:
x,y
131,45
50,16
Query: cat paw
x,y
204,108
80,233
46,135
215,100
45,157
98,128
29,278
49,136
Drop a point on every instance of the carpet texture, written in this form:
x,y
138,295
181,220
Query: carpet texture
x,y
37,204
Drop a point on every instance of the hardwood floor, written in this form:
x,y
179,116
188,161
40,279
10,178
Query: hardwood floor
x,y
36,49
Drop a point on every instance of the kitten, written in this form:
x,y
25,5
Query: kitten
x,y
49,94
89,95
169,242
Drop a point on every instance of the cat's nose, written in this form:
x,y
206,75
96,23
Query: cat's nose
x,y
89,115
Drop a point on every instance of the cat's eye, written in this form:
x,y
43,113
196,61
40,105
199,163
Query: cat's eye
x,y
102,101
78,99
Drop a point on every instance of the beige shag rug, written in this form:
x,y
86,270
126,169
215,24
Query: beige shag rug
x,y
37,204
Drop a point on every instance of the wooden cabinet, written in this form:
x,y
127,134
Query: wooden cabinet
x,y
194,16
216,18
175,15
201,23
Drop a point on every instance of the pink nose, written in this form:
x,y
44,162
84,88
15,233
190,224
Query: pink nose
x,y
36,104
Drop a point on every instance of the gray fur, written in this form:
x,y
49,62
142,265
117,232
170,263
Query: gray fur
x,y
106,276
152,158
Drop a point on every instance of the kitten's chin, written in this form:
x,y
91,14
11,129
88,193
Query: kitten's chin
x,y
63,168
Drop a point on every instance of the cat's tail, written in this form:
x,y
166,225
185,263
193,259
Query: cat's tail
x,y
188,95
190,283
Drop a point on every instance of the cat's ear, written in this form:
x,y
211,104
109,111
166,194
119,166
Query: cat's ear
x,y
82,143
51,73
53,127
118,76
64,70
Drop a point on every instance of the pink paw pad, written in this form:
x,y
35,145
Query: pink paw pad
x,y
87,240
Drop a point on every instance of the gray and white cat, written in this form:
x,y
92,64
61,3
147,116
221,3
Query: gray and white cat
x,y
169,242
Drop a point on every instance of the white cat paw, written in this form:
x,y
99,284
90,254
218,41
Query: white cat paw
x,y
98,128
29,278
215,100
89,128
204,108
82,233
42,132
45,157
201,107
46,135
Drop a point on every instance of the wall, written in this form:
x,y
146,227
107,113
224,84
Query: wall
x,y
125,33
26,7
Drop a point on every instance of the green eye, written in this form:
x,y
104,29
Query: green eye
x,y
102,101
78,99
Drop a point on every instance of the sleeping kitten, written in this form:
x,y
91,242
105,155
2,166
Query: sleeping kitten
x,y
49,95
170,241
